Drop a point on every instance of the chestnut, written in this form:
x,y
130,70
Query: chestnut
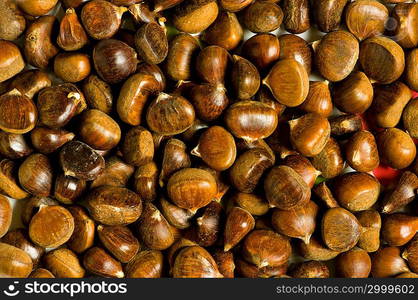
x,y
72,67
175,157
176,216
12,23
353,95
98,94
340,229
191,188
411,70
146,181
181,52
309,134
251,120
245,78
195,16
252,203
288,82
248,270
361,152
387,262
389,102
33,205
114,60
84,228
160,5
111,205
151,43
209,100
36,7
396,148
409,115
209,224
402,194
116,173
68,189
398,229
64,263
366,18
303,167
336,54
5,215
30,82
99,262
293,46
262,16
39,48
35,175
71,36
248,169
212,63
11,60
146,264
266,248
225,32
170,114
79,160
51,227
234,5
119,241
297,223
47,140
318,99
285,188
316,250
410,254
14,145
216,148
14,262
225,262
195,262
382,59
323,192
371,223
262,50
296,15
405,31
101,19
8,180
311,269
328,13
330,160
344,125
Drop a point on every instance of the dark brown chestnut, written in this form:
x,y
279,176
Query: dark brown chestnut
x,y
296,15
146,264
119,241
387,262
35,175
47,140
262,50
295,47
245,78
225,32
262,16
398,229
239,223
175,157
361,152
209,100
97,261
318,99
212,63
84,230
71,36
68,189
30,82
328,13
98,94
14,145
116,173
146,181
151,43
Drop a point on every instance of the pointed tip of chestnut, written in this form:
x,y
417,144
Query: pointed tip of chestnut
x,y
120,274
227,247
306,239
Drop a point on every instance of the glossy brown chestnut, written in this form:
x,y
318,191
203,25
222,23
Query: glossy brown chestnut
x,y
160,5
239,223
297,16
114,60
194,16
323,192
35,175
146,181
311,269
72,67
336,54
151,43
176,216
402,194
345,124
98,94
119,241
266,248
309,134
84,228
71,36
299,222
58,104
32,206
30,82
18,113
234,5
41,273
247,270
209,100
191,188
293,46
183,49
36,7
409,116
410,254
248,168
316,250
14,262
64,263
81,161
11,61
112,205
318,99
245,78
14,145
405,32
51,227
39,48
252,203
175,157
328,14
216,148
8,180
262,50
288,82
251,120
396,148
356,191
262,16
398,229
285,188
361,152
225,32
382,59
411,69
99,262
389,102
47,140
212,63
209,224
12,23
353,95
340,229
303,167
366,19
101,19
116,173
195,262
146,264
387,262
225,262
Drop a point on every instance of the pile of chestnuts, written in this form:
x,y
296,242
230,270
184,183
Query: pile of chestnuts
x,y
149,139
